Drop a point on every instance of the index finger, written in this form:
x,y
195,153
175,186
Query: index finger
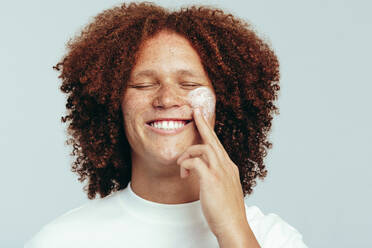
x,y
206,131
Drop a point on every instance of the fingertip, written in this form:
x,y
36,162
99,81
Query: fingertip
x,y
184,173
179,160
199,113
197,110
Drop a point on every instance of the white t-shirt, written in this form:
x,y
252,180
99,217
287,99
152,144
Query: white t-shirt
x,y
124,219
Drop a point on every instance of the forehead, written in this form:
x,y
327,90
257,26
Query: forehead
x,y
167,46
168,39
167,52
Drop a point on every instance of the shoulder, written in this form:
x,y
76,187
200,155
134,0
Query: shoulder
x,y
271,230
73,224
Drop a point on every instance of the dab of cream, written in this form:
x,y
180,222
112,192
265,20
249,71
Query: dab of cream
x,y
203,98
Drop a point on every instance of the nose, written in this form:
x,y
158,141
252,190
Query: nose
x,y
167,96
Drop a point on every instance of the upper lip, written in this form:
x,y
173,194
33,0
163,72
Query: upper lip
x,y
169,119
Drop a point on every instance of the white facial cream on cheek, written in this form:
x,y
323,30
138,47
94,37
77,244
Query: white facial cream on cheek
x,y
204,98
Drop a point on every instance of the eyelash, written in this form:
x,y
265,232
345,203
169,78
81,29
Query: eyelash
x,y
140,86
189,84
183,84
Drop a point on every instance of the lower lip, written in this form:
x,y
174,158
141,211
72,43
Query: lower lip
x,y
167,132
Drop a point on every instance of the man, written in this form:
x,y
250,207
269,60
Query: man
x,y
148,88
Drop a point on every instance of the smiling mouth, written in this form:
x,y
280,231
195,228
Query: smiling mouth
x,y
168,123
169,119
168,126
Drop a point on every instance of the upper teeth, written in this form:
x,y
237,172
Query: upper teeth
x,y
168,124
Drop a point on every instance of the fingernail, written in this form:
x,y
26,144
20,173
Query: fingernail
x,y
205,116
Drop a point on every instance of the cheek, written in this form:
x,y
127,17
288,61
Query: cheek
x,y
131,107
128,107
203,97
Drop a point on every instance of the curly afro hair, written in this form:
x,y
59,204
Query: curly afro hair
x,y
243,69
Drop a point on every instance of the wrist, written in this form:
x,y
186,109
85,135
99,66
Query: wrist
x,y
241,236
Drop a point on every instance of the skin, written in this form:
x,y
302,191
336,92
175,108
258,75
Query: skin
x,y
203,97
155,173
191,165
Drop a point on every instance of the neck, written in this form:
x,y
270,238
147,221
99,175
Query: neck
x,y
162,183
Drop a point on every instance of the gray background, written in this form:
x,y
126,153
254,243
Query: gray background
x,y
320,166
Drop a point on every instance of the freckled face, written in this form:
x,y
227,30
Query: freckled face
x,y
165,73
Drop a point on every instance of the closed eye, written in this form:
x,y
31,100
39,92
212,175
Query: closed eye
x,y
189,84
140,86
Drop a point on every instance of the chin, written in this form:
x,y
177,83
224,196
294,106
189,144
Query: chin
x,y
170,154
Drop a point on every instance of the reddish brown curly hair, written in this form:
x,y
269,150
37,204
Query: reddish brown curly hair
x,y
243,69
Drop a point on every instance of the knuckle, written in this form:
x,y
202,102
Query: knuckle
x,y
236,170
208,147
214,177
196,160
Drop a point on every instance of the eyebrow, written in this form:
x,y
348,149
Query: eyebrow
x,y
152,73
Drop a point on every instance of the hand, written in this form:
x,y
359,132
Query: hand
x,y
221,194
